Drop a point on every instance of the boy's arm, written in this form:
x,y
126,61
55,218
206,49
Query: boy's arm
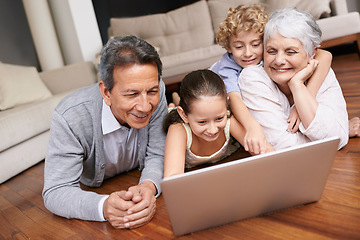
x,y
255,140
324,59
238,131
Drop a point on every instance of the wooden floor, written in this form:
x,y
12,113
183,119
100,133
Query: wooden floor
x,y
335,216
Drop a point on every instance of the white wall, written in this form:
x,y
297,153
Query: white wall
x,y
43,34
64,31
77,29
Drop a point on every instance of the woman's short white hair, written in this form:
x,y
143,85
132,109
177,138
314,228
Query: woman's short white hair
x,y
293,23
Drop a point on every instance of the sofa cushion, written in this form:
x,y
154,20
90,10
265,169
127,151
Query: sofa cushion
x,y
19,85
22,156
195,59
177,31
317,8
69,77
219,9
26,121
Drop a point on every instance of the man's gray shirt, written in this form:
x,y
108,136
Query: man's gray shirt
x,y
76,153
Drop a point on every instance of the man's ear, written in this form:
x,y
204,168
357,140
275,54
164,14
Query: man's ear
x,y
182,114
228,50
105,93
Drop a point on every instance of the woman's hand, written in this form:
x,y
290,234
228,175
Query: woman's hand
x,y
305,73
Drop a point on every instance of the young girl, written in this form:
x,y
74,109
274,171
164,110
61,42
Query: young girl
x,y
241,34
199,129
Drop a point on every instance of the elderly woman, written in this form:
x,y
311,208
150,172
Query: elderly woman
x,y
291,39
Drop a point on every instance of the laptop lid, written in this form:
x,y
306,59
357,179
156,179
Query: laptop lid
x,y
248,187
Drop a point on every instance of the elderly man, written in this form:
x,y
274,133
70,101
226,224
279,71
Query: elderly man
x,y
106,129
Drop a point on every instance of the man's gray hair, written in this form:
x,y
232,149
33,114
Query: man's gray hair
x,y
124,50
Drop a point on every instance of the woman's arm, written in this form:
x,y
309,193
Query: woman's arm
x,y
305,102
324,59
175,147
254,139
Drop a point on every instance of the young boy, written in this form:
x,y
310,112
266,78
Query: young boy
x,y
241,34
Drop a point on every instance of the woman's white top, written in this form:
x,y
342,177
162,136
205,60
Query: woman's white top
x,y
270,107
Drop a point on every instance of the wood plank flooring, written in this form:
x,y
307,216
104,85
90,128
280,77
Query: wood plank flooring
x,y
335,216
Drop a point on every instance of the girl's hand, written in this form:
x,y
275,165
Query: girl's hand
x,y
293,120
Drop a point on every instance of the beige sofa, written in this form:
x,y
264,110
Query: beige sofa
x,y
25,114
185,37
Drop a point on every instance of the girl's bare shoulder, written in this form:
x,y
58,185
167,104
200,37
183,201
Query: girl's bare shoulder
x,y
177,128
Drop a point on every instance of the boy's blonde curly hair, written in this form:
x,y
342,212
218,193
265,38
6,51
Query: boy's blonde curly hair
x,y
243,18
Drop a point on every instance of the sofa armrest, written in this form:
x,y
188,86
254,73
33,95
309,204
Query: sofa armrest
x,y
339,26
69,77
338,7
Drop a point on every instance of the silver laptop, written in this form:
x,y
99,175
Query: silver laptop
x,y
248,187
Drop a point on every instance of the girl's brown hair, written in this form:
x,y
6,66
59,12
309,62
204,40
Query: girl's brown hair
x,y
194,86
